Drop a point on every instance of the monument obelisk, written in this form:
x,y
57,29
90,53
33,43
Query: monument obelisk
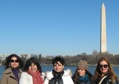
x,y
103,44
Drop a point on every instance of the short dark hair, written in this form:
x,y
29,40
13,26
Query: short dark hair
x,y
58,59
34,61
8,59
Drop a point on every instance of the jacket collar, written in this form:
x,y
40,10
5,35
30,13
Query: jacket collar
x,y
9,70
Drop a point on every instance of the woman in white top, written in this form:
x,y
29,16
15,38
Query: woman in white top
x,y
32,74
58,75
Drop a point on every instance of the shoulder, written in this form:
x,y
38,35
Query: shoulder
x,y
25,74
115,81
7,71
66,73
69,72
25,78
48,74
67,78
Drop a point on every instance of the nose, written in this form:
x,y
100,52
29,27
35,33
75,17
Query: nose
x,y
56,67
32,66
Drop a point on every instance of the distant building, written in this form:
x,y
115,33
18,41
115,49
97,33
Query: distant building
x,y
3,56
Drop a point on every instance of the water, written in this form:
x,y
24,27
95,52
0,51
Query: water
x,y
72,68
1,70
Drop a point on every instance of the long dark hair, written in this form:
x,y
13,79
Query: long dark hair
x,y
34,61
8,59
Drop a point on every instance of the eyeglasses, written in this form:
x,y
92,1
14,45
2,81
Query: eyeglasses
x,y
14,61
105,66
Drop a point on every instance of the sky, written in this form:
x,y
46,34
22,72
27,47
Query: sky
x,y
57,27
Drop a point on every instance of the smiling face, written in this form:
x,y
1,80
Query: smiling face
x,y
14,63
103,66
33,68
58,67
81,72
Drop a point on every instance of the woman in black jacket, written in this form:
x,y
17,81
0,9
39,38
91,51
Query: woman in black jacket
x,y
104,73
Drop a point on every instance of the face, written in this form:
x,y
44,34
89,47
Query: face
x,y
14,63
58,67
81,72
103,67
33,68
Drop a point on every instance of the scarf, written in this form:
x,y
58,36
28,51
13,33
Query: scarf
x,y
57,77
15,72
84,78
37,79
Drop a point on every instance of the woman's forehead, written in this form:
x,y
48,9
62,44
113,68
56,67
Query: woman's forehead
x,y
58,62
103,62
14,58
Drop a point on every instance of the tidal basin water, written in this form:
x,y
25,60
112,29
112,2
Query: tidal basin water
x,y
72,68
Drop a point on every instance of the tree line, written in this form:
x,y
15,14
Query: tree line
x,y
91,59
73,60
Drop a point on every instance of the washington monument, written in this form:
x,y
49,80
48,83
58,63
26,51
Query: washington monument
x,y
103,44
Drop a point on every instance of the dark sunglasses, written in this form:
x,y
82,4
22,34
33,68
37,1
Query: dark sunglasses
x,y
105,66
14,61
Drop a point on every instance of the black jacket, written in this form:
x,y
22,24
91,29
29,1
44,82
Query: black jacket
x,y
107,80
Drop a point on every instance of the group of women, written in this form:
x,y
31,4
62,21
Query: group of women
x,y
32,72
103,74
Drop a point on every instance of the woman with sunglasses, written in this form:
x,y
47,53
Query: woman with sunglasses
x,y
13,65
33,72
82,75
104,73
